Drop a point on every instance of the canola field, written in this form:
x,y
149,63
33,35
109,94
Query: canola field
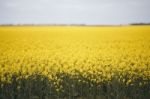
x,y
74,62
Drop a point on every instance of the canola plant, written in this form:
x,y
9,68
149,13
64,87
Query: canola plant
x,y
57,62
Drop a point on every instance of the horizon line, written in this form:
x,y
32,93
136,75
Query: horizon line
x,y
82,24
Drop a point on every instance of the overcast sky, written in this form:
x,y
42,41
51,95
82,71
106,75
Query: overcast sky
x,y
74,11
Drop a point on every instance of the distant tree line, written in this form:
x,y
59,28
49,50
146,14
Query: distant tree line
x,y
140,24
73,24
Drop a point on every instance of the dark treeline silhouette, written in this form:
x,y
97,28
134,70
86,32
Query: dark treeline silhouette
x,y
140,24
74,24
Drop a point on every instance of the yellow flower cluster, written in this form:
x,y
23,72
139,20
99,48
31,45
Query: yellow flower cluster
x,y
92,55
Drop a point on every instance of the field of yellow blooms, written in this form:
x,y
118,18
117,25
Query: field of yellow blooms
x,y
74,62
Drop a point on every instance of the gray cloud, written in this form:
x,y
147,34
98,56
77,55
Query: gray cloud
x,y
74,11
